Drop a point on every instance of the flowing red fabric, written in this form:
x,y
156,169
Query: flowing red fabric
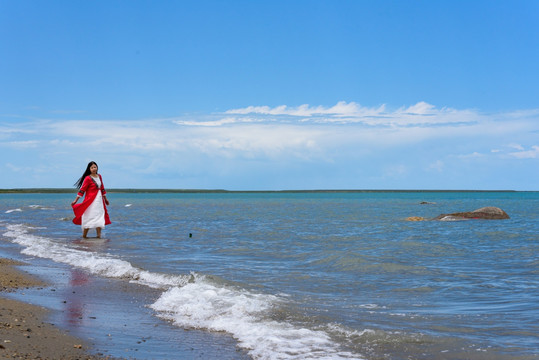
x,y
90,188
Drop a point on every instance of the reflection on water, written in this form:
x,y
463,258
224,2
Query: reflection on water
x,y
74,303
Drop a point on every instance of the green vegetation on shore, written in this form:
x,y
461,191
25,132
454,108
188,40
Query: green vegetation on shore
x,y
194,191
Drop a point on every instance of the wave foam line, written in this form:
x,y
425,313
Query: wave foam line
x,y
13,210
102,264
193,301
240,313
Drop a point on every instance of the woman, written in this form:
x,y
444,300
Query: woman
x,y
91,213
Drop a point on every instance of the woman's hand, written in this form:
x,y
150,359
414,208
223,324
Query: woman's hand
x,y
106,200
75,201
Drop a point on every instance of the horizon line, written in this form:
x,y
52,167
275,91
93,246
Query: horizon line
x,y
224,191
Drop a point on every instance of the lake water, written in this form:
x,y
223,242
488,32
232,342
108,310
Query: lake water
x,y
297,275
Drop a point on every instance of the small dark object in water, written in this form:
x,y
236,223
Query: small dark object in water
x,y
190,235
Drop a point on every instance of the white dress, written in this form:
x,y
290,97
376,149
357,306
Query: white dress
x,y
94,216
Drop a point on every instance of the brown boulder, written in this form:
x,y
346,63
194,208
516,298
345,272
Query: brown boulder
x,y
486,213
415,218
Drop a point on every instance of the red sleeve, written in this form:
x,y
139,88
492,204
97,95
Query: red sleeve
x,y
84,186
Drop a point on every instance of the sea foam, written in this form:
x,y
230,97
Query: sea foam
x,y
13,210
245,315
100,264
195,301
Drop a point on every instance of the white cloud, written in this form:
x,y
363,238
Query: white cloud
x,y
396,170
421,108
229,139
532,153
341,109
220,122
473,155
438,166
516,146
517,151
339,135
304,131
422,113
22,144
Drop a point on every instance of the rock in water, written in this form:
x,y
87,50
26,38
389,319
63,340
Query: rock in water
x,y
415,218
491,212
486,213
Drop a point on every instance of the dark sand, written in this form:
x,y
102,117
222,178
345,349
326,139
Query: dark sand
x,y
24,334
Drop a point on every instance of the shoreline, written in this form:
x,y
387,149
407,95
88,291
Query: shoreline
x,y
221,191
74,315
24,332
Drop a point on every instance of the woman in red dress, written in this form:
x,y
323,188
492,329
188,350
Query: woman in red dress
x,y
92,212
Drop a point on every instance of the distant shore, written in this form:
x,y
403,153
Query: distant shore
x,y
24,333
220,191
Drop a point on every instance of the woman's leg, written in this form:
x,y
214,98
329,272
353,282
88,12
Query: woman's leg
x,y
85,233
98,230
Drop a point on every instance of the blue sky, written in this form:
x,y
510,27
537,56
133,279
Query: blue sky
x,y
271,95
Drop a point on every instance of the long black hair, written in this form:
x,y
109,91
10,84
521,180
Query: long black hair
x,y
87,172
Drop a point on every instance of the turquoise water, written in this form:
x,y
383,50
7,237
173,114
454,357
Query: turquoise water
x,y
314,275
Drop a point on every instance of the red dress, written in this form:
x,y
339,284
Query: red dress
x,y
90,188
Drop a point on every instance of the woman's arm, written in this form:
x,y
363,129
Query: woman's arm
x,y
75,201
103,191
82,190
85,184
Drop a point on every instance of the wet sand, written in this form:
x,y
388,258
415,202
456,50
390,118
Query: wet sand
x,y
24,333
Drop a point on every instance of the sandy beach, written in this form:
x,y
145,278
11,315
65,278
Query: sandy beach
x,y
24,332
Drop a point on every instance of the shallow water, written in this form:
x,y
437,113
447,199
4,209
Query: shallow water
x,y
310,275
